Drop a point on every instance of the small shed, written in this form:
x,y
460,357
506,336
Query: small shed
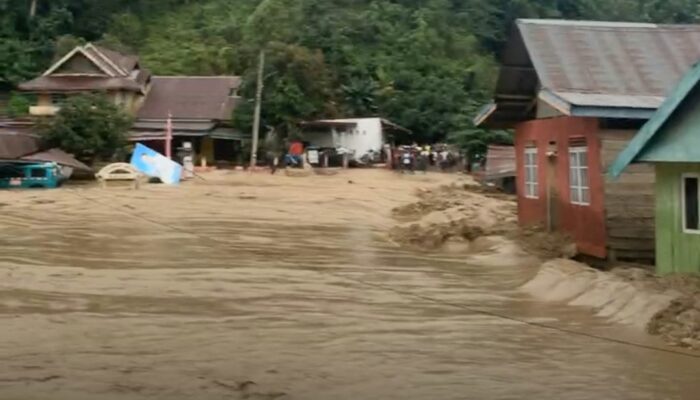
x,y
500,168
670,142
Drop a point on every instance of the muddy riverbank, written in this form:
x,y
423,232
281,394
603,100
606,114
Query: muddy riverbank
x,y
465,218
280,287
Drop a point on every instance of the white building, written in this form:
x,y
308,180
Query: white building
x,y
358,136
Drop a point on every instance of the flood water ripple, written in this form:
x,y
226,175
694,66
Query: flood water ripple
x,y
268,304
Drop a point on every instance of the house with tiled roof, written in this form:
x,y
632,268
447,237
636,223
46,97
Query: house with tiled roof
x,y
90,68
200,107
575,93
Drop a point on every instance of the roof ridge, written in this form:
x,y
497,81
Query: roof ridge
x,y
196,76
586,23
112,63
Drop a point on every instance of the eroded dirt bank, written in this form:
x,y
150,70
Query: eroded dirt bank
x,y
665,306
472,220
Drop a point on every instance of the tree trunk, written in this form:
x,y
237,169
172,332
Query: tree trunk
x,y
32,9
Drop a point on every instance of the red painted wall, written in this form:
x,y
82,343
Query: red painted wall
x,y
585,224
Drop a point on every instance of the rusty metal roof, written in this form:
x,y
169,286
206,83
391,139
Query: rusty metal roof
x,y
597,69
191,97
610,58
500,162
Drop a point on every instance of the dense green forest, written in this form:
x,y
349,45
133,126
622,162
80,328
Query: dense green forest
x,y
426,64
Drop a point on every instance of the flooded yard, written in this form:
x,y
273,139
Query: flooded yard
x,y
273,287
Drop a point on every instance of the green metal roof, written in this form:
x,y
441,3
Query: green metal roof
x,y
642,139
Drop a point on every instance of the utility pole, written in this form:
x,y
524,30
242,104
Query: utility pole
x,y
258,106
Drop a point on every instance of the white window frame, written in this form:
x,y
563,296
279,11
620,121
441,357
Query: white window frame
x,y
683,215
578,168
534,169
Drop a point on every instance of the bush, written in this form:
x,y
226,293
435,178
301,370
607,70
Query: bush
x,y
18,105
89,127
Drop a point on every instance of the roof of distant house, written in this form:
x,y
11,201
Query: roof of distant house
x,y
79,83
586,68
111,70
191,97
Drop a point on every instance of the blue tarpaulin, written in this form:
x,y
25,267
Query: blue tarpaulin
x,y
154,164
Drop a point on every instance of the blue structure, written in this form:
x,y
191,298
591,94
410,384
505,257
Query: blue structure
x,y
156,165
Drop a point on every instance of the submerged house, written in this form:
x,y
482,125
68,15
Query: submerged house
x,y
670,141
90,69
200,108
576,92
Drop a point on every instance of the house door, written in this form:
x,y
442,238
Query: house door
x,y
552,192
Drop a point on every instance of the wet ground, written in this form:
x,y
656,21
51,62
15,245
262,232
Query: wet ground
x,y
284,288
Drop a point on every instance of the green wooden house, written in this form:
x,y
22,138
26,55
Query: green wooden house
x,y
671,141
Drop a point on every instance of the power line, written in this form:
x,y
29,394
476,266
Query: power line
x,y
415,295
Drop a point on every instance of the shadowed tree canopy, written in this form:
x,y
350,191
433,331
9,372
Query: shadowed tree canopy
x,y
426,64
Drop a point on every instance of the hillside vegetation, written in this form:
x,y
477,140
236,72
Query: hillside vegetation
x,y
426,64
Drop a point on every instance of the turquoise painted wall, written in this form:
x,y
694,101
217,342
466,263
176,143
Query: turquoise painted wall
x,y
676,251
678,140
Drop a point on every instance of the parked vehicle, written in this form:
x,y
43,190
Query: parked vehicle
x,y
29,175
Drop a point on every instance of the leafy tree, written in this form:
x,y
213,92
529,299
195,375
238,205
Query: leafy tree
x,y
297,87
421,63
18,105
88,126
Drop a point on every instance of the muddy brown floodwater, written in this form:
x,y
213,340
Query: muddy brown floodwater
x,y
265,287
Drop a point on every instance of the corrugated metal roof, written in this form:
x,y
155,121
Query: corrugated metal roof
x,y
59,157
611,100
79,83
14,145
159,125
191,97
500,162
591,68
610,58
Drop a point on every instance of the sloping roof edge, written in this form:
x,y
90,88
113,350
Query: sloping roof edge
x,y
81,50
555,101
484,113
657,121
105,58
587,23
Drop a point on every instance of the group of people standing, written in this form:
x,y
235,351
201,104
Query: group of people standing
x,y
419,158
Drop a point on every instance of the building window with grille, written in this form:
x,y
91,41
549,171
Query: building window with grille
x,y
578,176
531,187
691,206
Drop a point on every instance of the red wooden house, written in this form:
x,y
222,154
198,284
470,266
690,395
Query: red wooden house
x,y
576,92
